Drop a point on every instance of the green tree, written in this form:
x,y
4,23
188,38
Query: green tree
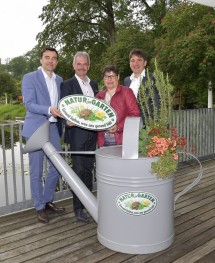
x,y
149,14
81,24
17,66
186,51
96,25
127,39
32,58
74,25
7,87
2,67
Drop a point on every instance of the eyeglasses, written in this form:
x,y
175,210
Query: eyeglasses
x,y
109,77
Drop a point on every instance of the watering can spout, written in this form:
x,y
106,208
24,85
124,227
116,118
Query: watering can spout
x,y
40,140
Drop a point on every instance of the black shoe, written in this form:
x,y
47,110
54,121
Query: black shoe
x,y
42,216
80,215
53,208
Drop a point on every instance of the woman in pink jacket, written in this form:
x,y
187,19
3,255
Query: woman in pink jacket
x,y
122,100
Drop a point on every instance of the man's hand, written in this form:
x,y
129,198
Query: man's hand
x,y
69,123
55,112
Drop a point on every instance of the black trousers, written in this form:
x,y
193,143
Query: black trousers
x,y
83,165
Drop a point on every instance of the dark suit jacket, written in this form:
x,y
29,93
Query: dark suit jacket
x,y
75,134
127,82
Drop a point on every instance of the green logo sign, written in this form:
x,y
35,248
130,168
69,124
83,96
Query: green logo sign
x,y
87,112
136,203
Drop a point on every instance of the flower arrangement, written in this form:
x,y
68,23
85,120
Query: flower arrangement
x,y
157,138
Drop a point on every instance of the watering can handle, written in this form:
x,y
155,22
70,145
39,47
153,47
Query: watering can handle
x,y
130,141
195,182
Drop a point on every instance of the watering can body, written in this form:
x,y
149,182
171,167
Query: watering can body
x,y
135,208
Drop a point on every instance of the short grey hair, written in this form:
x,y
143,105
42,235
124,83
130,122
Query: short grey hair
x,y
81,54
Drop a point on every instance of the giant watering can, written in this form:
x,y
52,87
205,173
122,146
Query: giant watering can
x,y
124,181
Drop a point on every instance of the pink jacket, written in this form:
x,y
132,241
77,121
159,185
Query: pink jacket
x,y
125,105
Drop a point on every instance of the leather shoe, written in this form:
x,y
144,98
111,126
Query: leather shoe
x,y
42,216
53,208
80,215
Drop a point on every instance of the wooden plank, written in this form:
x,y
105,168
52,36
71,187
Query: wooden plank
x,y
209,258
97,256
84,251
197,253
42,247
37,234
23,239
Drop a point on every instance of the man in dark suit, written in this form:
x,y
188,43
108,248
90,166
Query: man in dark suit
x,y
41,93
80,139
138,60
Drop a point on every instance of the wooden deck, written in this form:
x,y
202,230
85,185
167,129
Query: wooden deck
x,y
63,239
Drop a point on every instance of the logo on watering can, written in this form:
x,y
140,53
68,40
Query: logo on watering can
x,y
136,203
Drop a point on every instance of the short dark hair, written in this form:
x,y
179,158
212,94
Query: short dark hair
x,y
48,49
110,68
139,53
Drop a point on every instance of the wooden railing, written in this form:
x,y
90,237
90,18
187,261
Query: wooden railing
x,y
198,126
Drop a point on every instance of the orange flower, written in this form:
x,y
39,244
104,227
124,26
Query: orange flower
x,y
164,141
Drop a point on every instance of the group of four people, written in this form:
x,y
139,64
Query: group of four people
x,y
42,89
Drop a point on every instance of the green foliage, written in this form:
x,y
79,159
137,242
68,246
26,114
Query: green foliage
x,y
186,50
151,13
7,84
143,140
164,166
82,25
3,67
32,58
95,26
154,117
17,66
184,36
10,112
127,39
79,24
157,139
64,67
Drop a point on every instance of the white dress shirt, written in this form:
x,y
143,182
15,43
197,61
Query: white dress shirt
x,y
85,86
52,89
136,82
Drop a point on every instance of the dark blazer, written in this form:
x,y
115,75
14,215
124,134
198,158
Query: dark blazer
x,y
75,134
127,82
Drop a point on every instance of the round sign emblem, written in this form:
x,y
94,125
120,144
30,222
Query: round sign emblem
x,y
87,112
136,203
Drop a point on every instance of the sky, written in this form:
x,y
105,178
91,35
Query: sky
x,y
19,26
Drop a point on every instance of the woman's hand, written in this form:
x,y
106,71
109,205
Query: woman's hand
x,y
113,129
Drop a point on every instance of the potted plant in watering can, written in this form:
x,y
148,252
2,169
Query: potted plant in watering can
x,y
158,138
